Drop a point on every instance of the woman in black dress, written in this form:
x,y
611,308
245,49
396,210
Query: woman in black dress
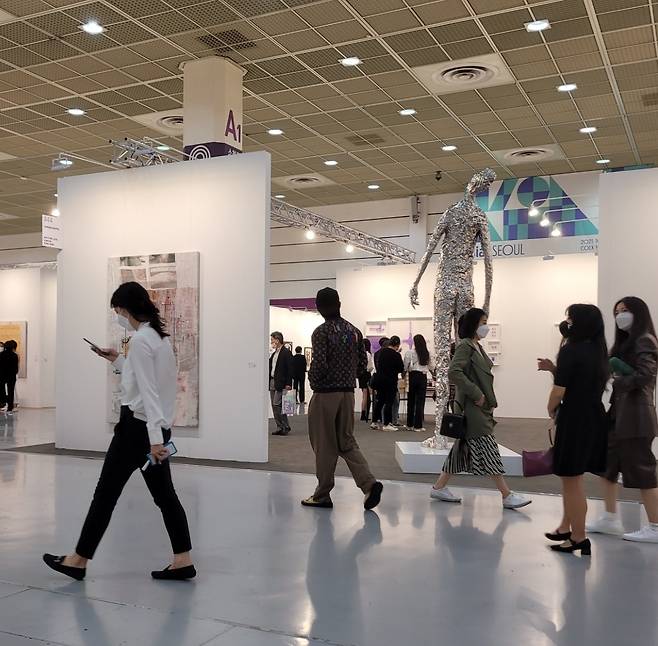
x,y
575,403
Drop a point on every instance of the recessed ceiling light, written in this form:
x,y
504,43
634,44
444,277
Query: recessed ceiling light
x,y
588,130
310,234
350,61
76,112
373,187
537,25
349,248
279,196
163,148
275,131
407,112
448,149
92,27
54,212
567,87
55,194
602,161
331,162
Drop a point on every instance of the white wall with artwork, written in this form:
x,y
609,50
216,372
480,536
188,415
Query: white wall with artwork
x,y
529,297
133,224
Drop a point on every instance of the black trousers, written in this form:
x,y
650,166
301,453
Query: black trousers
x,y
127,453
384,402
299,384
7,390
416,399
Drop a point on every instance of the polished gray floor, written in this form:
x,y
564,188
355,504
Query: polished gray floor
x,y
275,574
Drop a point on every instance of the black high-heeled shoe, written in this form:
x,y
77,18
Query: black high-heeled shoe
x,y
558,536
584,547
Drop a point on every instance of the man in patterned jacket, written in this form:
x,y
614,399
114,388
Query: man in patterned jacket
x,y
338,357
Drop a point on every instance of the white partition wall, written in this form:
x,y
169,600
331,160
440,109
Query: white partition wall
x,y
218,207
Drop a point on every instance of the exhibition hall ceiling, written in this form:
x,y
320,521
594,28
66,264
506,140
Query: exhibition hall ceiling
x,y
291,50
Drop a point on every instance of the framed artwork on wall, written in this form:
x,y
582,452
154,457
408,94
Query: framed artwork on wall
x,y
288,344
308,354
16,331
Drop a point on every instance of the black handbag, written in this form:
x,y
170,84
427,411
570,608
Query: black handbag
x,y
453,425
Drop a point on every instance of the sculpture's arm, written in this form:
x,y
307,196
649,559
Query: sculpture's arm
x,y
439,232
485,241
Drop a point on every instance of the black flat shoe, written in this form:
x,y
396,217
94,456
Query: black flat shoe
x,y
57,563
584,547
374,497
179,574
558,536
321,504
278,433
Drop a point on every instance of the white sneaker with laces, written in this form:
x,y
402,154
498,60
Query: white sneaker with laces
x,y
445,495
390,428
648,534
374,426
605,524
419,430
515,501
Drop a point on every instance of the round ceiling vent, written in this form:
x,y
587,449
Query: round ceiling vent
x,y
304,181
171,122
521,155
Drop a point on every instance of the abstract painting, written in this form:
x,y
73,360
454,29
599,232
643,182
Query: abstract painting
x,y
16,331
172,281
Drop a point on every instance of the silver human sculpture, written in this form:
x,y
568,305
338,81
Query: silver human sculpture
x,y
461,226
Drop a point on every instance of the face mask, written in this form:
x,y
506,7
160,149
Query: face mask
x,y
124,322
624,321
482,331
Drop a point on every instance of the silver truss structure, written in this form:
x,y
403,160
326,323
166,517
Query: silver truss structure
x,y
297,217
135,153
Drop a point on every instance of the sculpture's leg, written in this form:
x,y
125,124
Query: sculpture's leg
x,y
465,299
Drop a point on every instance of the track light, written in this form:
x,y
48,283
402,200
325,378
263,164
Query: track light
x,y
533,212
310,234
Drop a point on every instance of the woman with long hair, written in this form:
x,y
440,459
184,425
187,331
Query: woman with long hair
x,y
364,382
148,399
633,425
478,454
417,363
575,404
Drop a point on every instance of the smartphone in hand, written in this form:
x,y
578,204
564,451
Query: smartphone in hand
x,y
150,460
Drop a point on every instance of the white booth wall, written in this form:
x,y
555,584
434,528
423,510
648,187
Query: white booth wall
x,y
529,298
218,207
30,295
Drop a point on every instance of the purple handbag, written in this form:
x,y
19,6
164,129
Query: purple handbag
x,y
539,463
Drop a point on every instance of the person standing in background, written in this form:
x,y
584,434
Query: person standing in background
x,y
633,424
364,382
418,364
9,364
281,373
299,375
378,402
388,371
338,357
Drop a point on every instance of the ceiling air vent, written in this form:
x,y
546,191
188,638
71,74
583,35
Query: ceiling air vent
x,y
529,155
300,182
468,74
365,140
225,41
169,122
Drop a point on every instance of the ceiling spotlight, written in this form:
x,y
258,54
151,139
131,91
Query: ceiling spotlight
x,y
23,178
567,87
331,162
310,234
556,233
163,148
350,61
407,112
349,248
537,25
275,131
76,112
279,196
448,149
373,187
588,130
55,194
55,212
92,27
533,212
545,222
60,163
602,161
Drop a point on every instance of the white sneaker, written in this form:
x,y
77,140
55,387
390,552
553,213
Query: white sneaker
x,y
419,430
444,495
648,534
515,501
605,525
374,426
390,428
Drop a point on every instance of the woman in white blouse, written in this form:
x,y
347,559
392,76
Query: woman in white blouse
x,y
148,399
418,363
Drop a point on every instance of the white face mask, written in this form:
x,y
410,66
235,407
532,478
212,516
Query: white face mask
x,y
124,322
483,331
624,321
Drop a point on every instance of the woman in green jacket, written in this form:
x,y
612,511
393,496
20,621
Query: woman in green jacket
x,y
478,454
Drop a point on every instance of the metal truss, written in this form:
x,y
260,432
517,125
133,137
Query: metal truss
x,y
297,217
133,153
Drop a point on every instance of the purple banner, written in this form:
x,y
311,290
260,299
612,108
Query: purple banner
x,y
208,150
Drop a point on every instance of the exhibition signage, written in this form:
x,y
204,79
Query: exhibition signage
x,y
51,232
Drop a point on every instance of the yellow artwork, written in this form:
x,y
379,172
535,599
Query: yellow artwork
x,y
16,331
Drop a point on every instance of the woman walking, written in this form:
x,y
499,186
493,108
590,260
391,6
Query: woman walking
x,y
418,364
148,398
478,454
633,425
580,423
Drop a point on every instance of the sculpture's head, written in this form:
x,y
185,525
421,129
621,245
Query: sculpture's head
x,y
481,181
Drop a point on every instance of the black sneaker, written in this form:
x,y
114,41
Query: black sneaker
x,y
374,497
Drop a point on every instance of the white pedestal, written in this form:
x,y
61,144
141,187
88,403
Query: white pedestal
x,y
413,457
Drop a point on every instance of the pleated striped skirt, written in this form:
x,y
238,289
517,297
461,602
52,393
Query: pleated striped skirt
x,y
479,456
